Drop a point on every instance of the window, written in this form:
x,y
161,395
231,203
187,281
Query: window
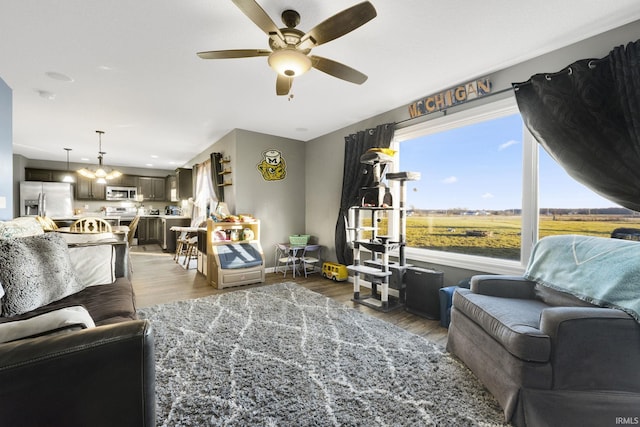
x,y
488,192
469,198
568,207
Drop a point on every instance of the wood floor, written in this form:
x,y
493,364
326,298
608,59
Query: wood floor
x,y
157,279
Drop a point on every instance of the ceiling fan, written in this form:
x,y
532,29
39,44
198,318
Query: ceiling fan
x,y
289,55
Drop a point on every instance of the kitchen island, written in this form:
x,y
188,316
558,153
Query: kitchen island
x,y
157,229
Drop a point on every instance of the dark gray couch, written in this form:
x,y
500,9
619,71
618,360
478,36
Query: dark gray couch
x,y
549,357
99,376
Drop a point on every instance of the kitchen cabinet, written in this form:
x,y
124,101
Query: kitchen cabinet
x,y
88,189
149,230
184,183
44,175
168,237
151,188
125,181
172,191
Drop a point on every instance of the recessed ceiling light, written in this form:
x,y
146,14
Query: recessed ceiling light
x,y
105,68
84,159
153,156
149,165
46,94
59,76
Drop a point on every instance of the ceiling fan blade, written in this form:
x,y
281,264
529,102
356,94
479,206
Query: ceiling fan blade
x,y
338,25
336,69
261,19
283,85
236,53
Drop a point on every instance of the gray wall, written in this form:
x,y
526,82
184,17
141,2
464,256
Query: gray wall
x,y
325,155
280,205
6,146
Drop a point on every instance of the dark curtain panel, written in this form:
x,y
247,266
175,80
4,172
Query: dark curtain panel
x,y
587,117
217,179
355,176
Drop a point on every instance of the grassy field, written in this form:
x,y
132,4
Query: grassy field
x,y
499,236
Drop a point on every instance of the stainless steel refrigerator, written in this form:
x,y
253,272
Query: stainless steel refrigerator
x,y
52,199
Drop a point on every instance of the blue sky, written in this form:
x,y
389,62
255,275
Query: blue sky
x,y
480,167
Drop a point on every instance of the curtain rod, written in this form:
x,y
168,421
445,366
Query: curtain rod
x,y
592,64
444,112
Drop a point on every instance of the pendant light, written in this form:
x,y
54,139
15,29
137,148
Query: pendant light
x,y
68,177
100,175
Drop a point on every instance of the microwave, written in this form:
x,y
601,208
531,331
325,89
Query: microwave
x,y
121,193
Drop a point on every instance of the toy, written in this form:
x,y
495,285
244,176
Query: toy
x,y
334,271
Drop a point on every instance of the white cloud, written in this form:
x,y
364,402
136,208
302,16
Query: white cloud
x,y
487,196
450,180
508,144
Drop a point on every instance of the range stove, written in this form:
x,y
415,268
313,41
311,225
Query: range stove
x,y
125,213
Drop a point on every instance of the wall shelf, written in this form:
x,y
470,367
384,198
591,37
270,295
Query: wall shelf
x,y
225,171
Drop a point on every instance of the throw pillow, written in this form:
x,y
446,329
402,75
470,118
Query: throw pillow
x,y
35,271
95,264
54,322
20,227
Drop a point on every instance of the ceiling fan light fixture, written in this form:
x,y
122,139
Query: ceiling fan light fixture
x,y
290,48
289,62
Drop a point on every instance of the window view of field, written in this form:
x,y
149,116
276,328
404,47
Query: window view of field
x,y
469,197
498,236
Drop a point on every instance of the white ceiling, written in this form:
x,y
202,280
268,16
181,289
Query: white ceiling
x,y
137,77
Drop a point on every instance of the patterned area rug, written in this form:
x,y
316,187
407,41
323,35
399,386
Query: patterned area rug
x,y
282,355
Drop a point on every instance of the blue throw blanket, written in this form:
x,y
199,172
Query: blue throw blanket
x,y
602,271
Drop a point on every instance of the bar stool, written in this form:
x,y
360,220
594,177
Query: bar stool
x,y
191,250
181,245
